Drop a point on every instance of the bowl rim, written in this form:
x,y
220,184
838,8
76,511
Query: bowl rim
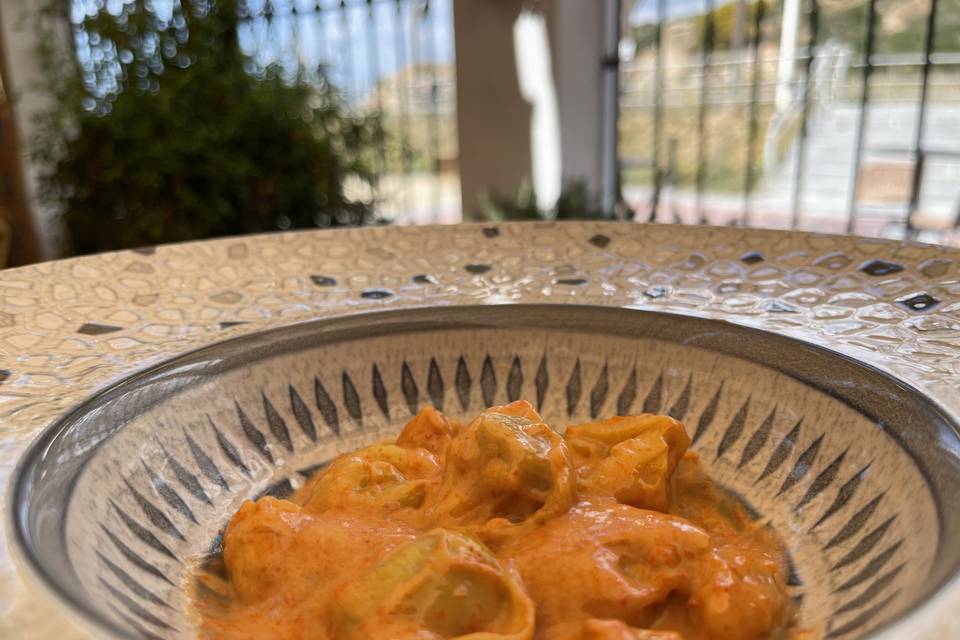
x,y
425,318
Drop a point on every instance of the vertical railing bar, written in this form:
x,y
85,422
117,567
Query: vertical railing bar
x,y
260,38
670,176
707,51
373,58
918,150
322,16
658,113
429,52
349,58
284,57
861,115
752,128
311,16
609,159
447,118
610,69
298,57
796,194
404,115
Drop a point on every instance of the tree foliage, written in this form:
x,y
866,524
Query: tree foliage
x,y
165,131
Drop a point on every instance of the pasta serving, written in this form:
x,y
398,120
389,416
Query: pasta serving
x,y
503,530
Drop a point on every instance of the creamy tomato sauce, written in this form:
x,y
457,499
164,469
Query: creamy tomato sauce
x,y
502,530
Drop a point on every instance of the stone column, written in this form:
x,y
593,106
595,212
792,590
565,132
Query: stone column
x,y
20,73
24,79
577,30
493,120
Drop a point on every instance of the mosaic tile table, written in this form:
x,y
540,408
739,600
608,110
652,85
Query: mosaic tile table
x,y
71,327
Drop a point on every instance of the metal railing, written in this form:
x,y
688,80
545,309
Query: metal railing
x,y
391,57
770,113
730,127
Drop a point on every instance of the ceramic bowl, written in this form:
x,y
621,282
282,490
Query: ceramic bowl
x,y
118,500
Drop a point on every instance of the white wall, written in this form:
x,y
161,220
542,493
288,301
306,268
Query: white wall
x,y
577,57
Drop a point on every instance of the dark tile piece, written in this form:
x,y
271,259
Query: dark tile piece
x,y
323,281
600,241
376,294
918,302
880,267
96,329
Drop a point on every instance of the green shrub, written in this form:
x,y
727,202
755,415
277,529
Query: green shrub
x,y
573,203
193,141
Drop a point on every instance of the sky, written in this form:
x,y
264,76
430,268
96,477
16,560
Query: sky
x,y
358,44
645,11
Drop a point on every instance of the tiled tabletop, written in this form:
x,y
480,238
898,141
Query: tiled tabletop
x,y
68,328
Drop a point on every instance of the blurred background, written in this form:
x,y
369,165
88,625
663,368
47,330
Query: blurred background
x,y
126,123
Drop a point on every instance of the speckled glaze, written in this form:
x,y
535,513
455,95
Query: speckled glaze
x,y
79,326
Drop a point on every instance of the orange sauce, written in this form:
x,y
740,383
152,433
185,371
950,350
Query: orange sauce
x,y
502,530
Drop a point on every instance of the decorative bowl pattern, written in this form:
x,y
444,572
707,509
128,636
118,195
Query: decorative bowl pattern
x,y
851,453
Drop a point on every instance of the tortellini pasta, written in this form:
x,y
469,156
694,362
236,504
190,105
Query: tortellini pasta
x,y
599,629
276,546
503,529
430,430
505,473
441,585
381,476
631,458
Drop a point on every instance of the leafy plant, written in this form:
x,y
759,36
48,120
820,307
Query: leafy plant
x,y
165,131
573,203
722,22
